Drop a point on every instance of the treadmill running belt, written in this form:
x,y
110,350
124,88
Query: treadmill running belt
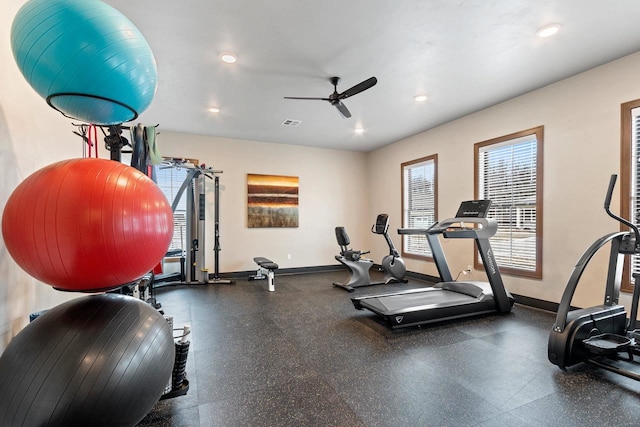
x,y
423,300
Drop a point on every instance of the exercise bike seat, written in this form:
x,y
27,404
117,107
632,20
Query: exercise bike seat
x,y
342,237
343,241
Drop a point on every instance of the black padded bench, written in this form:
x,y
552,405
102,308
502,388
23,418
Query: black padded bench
x,y
266,270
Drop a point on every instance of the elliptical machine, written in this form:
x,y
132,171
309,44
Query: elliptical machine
x,y
600,336
392,265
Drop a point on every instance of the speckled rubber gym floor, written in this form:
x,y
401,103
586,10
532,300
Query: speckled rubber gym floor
x,y
303,356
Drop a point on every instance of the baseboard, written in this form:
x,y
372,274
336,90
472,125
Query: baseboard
x,y
280,271
537,303
520,299
422,277
314,269
324,269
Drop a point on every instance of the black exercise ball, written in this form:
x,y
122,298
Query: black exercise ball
x,y
100,360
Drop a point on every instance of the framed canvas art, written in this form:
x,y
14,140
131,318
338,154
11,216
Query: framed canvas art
x,y
272,201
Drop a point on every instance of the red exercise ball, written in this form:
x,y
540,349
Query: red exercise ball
x,y
87,224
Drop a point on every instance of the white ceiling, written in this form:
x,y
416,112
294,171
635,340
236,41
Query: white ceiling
x,y
464,54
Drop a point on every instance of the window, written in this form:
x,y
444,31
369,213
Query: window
x,y
169,179
629,180
419,203
509,173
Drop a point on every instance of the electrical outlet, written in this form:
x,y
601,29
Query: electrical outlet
x,y
288,256
469,268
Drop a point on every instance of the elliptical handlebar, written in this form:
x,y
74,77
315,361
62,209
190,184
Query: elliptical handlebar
x,y
607,204
607,199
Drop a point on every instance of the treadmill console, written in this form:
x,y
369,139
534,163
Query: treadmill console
x,y
473,209
470,222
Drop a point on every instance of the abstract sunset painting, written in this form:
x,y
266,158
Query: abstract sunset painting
x,y
272,201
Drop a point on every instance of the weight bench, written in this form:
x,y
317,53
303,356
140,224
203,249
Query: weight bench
x,y
266,270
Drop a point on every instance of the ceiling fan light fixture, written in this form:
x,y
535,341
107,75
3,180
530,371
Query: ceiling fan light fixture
x,y
420,98
548,31
228,58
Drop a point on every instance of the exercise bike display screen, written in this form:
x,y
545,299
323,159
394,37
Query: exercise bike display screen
x,y
474,209
382,224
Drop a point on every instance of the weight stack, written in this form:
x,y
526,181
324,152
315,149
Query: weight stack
x,y
169,385
180,365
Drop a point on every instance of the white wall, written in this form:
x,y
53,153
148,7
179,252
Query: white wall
x,y
333,191
581,118
333,188
32,135
581,150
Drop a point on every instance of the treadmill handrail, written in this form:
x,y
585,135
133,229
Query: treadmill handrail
x,y
488,227
416,230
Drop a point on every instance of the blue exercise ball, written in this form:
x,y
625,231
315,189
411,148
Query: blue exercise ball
x,y
85,58
100,360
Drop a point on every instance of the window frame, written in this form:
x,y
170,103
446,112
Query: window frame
x,y
538,131
626,144
434,159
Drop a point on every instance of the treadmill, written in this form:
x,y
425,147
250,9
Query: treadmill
x,y
448,299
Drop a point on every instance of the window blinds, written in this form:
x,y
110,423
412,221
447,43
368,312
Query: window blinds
x,y
169,179
507,176
635,180
419,204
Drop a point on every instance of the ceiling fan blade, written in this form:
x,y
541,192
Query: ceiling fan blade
x,y
362,86
298,97
342,109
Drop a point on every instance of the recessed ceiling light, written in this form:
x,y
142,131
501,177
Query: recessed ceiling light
x,y
228,58
214,110
420,98
358,130
548,31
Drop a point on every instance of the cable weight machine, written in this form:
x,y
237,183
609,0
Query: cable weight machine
x,y
216,227
195,186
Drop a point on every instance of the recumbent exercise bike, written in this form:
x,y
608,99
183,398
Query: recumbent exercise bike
x,y
392,265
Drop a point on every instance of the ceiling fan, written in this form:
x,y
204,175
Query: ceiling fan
x,y
336,98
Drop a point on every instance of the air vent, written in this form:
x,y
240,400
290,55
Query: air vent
x,y
291,122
